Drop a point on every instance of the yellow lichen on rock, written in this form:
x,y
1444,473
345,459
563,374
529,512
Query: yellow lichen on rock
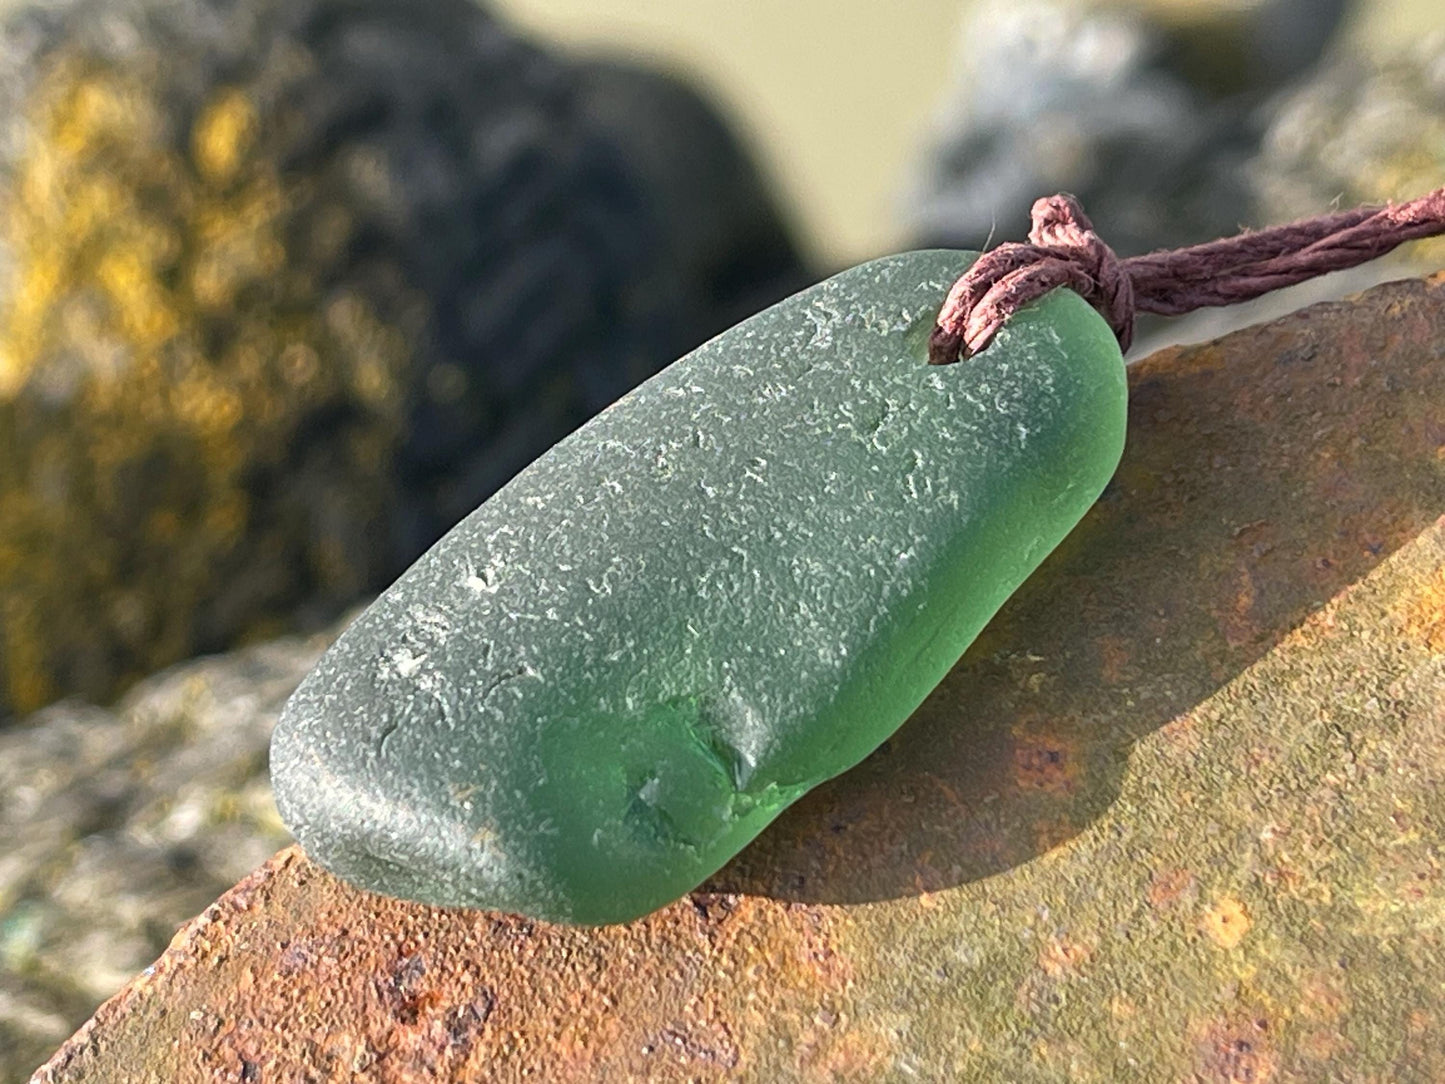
x,y
149,350
224,135
1225,923
288,287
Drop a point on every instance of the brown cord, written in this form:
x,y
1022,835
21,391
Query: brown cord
x,y
1064,250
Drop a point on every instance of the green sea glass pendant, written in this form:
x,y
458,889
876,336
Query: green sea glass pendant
x,y
731,585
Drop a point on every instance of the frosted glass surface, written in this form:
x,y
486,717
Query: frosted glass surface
x,y
731,585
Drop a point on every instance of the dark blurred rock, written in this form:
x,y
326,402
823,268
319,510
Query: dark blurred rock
x,y
717,210
287,288
1148,119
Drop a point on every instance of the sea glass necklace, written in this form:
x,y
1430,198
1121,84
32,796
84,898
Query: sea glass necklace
x,y
739,579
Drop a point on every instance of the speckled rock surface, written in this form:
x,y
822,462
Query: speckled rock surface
x,y
1177,814
118,825
287,288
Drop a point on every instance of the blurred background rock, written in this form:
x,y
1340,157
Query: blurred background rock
x,y
269,306
1179,123
1149,121
286,289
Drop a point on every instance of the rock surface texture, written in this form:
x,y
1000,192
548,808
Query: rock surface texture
x,y
287,288
1176,815
120,824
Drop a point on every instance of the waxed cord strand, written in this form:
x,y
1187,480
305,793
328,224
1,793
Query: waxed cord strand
x,y
1064,250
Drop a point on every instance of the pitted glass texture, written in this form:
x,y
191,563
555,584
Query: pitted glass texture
x,y
731,585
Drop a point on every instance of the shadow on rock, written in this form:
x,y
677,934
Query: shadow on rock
x,y
1265,473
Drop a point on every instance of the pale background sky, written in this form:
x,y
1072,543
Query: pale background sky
x,y
836,95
